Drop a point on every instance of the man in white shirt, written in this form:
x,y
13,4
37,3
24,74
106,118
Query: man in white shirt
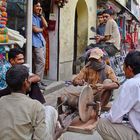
x,y
112,126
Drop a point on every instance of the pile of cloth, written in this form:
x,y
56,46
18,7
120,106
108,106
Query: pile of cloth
x,y
3,22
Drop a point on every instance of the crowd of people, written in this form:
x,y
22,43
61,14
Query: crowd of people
x,y
23,114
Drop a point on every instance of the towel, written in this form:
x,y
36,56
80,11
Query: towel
x,y
14,36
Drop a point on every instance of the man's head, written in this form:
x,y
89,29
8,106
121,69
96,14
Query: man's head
x,y
100,17
132,64
36,7
107,14
16,56
96,54
17,78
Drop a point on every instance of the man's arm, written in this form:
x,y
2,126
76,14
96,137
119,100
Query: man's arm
x,y
80,78
124,103
44,22
107,86
40,30
110,85
39,125
108,32
111,75
37,29
34,78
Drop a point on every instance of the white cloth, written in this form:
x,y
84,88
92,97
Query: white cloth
x,y
51,116
14,36
128,102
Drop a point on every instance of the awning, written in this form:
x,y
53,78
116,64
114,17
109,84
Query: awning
x,y
126,9
118,7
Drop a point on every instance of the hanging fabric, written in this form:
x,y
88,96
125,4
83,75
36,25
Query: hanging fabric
x,y
46,36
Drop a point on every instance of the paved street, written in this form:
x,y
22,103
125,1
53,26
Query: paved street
x,y
51,100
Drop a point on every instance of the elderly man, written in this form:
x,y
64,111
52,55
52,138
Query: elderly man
x,y
123,120
100,76
23,118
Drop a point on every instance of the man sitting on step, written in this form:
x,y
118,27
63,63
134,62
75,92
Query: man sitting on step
x,y
16,57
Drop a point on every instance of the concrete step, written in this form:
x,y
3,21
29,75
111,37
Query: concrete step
x,y
53,86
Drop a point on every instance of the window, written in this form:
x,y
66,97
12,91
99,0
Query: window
x,y
16,10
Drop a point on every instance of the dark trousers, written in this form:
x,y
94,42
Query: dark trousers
x,y
35,93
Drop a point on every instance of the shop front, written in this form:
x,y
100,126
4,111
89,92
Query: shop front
x,y
127,19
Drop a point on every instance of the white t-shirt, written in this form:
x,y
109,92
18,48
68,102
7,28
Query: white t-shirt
x,y
128,102
112,29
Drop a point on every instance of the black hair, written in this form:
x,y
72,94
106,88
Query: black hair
x,y
14,52
109,11
133,60
16,76
36,2
100,13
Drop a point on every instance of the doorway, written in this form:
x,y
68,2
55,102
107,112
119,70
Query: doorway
x,y
80,32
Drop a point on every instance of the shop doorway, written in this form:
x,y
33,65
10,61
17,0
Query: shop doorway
x,y
80,32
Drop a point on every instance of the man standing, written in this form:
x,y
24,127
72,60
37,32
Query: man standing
x,y
123,120
38,41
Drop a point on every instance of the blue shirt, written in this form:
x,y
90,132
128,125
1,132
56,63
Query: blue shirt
x,y
101,29
38,40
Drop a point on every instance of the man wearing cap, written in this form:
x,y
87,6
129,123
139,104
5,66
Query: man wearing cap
x,y
99,75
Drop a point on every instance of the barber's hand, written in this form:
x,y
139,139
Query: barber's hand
x,y
80,82
99,86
